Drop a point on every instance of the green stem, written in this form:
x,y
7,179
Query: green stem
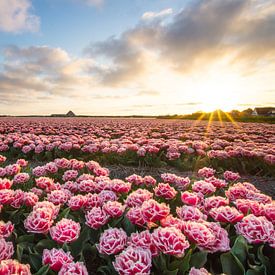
x,y
65,247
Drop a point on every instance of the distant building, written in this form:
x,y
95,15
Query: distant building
x,y
264,111
69,114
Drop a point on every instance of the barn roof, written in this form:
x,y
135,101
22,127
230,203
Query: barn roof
x,y
70,113
264,110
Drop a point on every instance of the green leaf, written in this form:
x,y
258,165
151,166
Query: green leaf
x,y
13,212
173,272
94,235
19,252
239,249
162,262
43,244
116,221
104,270
44,270
198,259
174,265
185,265
252,272
35,261
77,246
264,260
128,226
231,265
25,238
252,258
256,270
16,218
64,213
91,249
49,155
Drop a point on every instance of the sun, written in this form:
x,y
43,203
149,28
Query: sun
x,y
217,99
219,92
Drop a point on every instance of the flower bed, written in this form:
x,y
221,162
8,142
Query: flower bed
x,y
247,147
69,217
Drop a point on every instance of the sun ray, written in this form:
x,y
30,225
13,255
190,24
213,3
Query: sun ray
x,y
220,118
209,123
197,121
238,127
232,120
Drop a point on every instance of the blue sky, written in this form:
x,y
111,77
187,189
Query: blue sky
x,y
107,57
73,24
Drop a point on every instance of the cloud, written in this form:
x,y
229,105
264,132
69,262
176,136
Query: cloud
x,y
42,71
108,97
16,16
148,93
149,15
189,103
198,32
152,59
96,3
127,61
236,33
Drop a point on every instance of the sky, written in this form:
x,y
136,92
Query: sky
x,y
143,57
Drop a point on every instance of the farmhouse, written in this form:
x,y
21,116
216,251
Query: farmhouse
x,y
69,114
264,111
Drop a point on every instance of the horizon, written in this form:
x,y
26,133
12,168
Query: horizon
x,y
97,57
133,115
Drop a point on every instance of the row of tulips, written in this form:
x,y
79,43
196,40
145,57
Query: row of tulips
x,y
153,142
69,217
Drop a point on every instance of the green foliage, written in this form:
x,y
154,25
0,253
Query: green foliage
x,y
77,247
224,116
231,264
128,226
198,259
44,270
243,260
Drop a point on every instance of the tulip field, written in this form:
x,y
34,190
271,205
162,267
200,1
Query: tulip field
x,y
61,211
244,147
